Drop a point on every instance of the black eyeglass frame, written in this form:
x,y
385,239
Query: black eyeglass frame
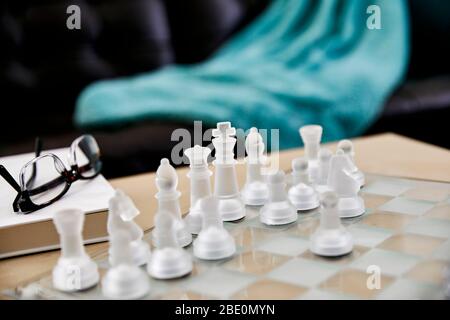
x,y
23,202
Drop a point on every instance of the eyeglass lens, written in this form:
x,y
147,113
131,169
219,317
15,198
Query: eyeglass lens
x,y
87,156
43,180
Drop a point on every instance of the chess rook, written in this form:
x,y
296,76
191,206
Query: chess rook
x,y
74,270
278,210
255,191
199,176
168,201
121,213
226,187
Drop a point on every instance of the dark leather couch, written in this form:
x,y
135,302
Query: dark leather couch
x,y
44,66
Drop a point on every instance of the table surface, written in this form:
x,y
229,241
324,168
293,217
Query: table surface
x,y
387,154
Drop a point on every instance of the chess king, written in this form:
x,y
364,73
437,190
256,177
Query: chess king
x,y
226,187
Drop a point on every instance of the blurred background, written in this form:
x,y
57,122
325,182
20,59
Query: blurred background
x,y
44,67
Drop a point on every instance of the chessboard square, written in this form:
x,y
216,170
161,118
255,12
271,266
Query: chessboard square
x,y
219,283
407,206
386,187
255,262
430,227
394,221
427,194
269,289
368,236
341,260
443,252
406,289
429,271
413,244
373,201
440,211
317,294
391,263
354,282
303,272
248,237
284,245
305,228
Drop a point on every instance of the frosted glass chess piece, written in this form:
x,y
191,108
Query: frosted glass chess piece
x,y
74,270
347,147
226,187
124,280
324,168
346,186
278,210
199,175
330,239
121,213
169,260
311,136
301,194
168,200
214,242
255,191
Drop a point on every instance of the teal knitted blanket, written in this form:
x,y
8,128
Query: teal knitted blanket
x,y
300,62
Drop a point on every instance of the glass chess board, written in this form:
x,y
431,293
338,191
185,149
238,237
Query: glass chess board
x,y
405,232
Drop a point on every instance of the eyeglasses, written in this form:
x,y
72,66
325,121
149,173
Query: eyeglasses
x,y
45,179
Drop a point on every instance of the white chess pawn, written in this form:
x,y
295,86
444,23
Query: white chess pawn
x,y
330,239
124,280
121,213
199,175
346,186
74,270
169,260
213,242
278,210
255,191
324,168
311,136
168,200
347,147
301,194
226,187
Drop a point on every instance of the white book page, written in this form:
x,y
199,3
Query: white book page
x,y
88,195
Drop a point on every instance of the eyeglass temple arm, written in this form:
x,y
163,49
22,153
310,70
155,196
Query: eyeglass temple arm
x,y
8,177
37,152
